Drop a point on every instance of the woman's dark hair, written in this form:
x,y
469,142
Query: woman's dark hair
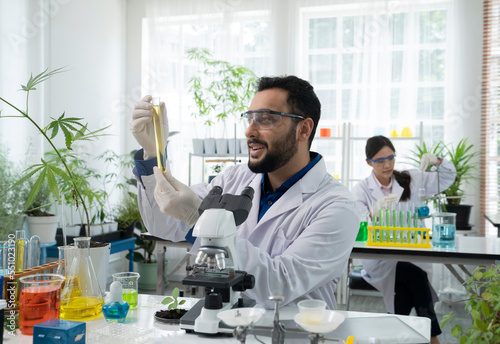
x,y
373,146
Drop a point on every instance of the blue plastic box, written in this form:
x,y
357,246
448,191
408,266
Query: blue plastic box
x,y
56,331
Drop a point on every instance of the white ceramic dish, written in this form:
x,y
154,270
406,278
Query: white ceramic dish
x,y
331,320
241,316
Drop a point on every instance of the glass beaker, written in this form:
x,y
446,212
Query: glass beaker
x,y
443,230
130,286
81,298
39,300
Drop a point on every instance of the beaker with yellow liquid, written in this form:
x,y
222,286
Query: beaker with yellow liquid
x,y
81,298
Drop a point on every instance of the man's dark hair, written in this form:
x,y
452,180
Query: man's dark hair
x,y
301,97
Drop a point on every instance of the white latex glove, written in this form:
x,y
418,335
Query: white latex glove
x,y
175,198
142,126
427,159
384,203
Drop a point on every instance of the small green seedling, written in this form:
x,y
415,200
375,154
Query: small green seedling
x,y
172,301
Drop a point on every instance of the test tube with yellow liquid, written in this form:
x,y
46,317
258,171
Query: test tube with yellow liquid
x,y
160,143
20,252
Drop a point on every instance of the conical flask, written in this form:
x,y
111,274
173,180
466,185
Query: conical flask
x,y
81,298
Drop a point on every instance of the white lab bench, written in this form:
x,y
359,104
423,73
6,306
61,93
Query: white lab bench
x,y
389,328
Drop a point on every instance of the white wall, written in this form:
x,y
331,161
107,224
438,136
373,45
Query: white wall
x,y
88,36
466,106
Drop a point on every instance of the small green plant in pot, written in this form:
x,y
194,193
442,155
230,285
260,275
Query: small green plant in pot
x,y
173,311
483,303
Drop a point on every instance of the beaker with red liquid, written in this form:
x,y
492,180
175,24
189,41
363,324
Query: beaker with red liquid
x,y
39,300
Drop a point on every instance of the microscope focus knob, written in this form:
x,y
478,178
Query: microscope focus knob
x,y
248,282
213,301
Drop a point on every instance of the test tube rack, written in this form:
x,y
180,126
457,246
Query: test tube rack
x,y
398,237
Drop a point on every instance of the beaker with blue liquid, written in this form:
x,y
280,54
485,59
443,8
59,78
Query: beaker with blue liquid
x,y
443,230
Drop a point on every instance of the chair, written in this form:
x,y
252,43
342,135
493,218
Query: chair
x,y
356,282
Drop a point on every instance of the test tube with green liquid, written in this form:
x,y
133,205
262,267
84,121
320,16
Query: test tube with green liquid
x,y
160,142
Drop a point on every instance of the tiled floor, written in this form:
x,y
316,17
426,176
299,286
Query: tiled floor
x,y
447,303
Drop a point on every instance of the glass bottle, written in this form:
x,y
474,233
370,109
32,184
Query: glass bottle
x,y
363,230
81,298
116,309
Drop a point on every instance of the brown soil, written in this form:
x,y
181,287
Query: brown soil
x,y
171,314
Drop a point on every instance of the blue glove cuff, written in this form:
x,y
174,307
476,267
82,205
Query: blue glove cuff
x,y
145,167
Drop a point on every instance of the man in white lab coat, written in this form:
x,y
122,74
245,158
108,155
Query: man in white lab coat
x,y
300,231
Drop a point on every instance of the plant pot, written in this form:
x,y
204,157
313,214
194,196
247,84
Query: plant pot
x,y
221,146
43,226
209,146
243,146
198,146
149,275
463,215
127,232
234,146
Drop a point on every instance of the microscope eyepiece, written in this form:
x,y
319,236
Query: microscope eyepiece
x,y
248,191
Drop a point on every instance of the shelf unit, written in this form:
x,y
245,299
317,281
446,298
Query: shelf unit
x,y
347,140
213,158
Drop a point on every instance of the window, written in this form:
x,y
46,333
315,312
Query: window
x,y
379,65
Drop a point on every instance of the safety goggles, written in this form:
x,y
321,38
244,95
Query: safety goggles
x,y
266,119
381,161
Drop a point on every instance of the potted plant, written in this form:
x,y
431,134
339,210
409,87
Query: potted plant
x,y
11,197
462,157
483,303
72,130
220,90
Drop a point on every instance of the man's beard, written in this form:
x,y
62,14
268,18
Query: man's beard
x,y
279,156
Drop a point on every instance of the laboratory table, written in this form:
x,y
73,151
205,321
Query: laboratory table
x,y
469,250
388,328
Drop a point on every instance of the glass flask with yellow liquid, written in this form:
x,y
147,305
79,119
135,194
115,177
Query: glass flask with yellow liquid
x,y
81,298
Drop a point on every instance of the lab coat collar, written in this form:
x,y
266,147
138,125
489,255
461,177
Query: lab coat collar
x,y
292,198
377,193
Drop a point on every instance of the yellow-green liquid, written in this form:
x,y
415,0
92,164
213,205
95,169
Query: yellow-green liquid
x,y
160,148
131,296
19,256
81,308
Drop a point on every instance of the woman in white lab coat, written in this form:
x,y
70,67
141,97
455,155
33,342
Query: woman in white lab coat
x,y
404,285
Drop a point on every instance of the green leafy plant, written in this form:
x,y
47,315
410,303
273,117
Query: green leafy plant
x,y
72,129
172,301
12,198
220,89
463,158
483,303
416,155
